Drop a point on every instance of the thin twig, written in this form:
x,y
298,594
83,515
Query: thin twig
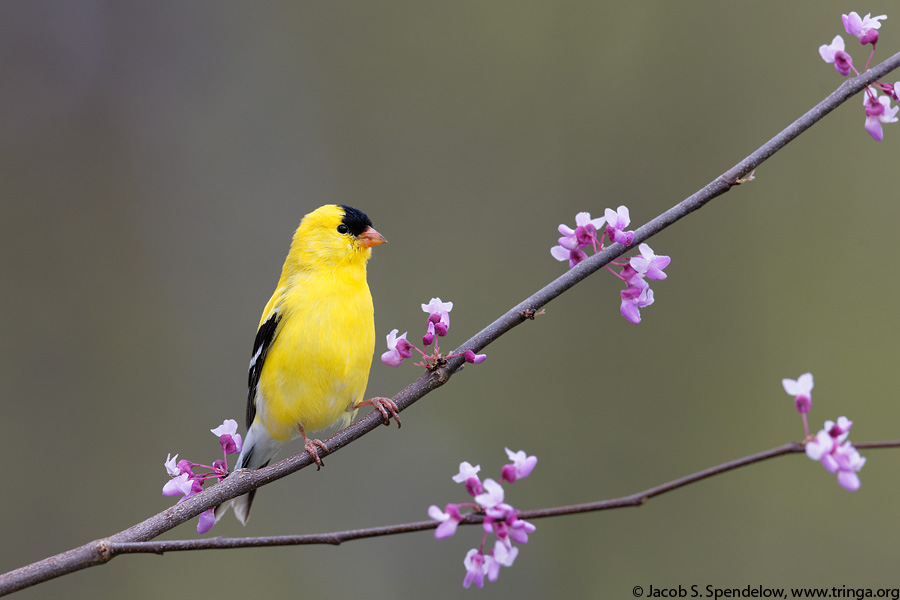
x,y
339,537
97,552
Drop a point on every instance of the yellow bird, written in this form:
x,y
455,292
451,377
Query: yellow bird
x,y
315,341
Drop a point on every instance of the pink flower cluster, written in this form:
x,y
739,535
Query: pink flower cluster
x,y
437,325
186,483
830,446
635,272
836,453
878,109
500,518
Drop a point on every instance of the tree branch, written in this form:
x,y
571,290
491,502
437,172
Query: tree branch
x,y
338,537
241,482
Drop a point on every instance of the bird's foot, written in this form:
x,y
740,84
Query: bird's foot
x,y
384,406
312,446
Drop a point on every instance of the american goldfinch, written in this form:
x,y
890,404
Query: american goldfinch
x,y
315,341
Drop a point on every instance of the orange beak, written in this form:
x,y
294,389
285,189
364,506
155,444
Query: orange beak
x,y
369,237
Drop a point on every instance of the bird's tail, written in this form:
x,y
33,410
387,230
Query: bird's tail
x,y
258,449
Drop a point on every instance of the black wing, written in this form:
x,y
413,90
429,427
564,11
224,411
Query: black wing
x,y
264,337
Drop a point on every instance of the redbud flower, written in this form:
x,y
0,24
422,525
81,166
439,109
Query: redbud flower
x,y
398,349
878,111
171,466
521,467
863,28
471,357
616,222
634,298
574,256
500,518
492,502
801,390
207,520
649,264
429,334
847,462
519,529
834,53
836,454
840,430
584,234
475,568
504,554
469,475
492,496
439,314
449,518
820,445
182,484
229,438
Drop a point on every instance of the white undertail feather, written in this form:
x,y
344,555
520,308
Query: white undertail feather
x,y
259,448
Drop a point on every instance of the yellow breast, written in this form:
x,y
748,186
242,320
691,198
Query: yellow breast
x,y
318,365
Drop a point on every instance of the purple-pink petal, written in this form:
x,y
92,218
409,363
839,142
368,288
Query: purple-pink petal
x,y
630,310
471,357
392,358
559,253
848,480
873,128
207,520
446,529
475,568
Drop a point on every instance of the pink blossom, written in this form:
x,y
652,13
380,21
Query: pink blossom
x,y
849,463
821,445
521,467
439,314
207,520
574,256
492,495
834,53
182,484
840,430
878,111
616,222
801,390
863,28
429,335
649,264
473,358
634,298
519,530
171,466
229,439
469,475
584,234
398,349
475,568
836,454
449,519
501,556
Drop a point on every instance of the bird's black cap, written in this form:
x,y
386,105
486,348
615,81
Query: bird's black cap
x,y
355,220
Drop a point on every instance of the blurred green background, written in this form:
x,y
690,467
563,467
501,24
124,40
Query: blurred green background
x,y
157,157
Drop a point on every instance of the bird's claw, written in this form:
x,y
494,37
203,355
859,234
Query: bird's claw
x,y
384,406
310,446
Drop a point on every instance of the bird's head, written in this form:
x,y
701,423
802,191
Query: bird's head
x,y
333,236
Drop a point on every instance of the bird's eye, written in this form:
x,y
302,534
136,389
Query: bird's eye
x,y
343,228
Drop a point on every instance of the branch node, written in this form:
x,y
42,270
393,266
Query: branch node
x,y
104,552
733,182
